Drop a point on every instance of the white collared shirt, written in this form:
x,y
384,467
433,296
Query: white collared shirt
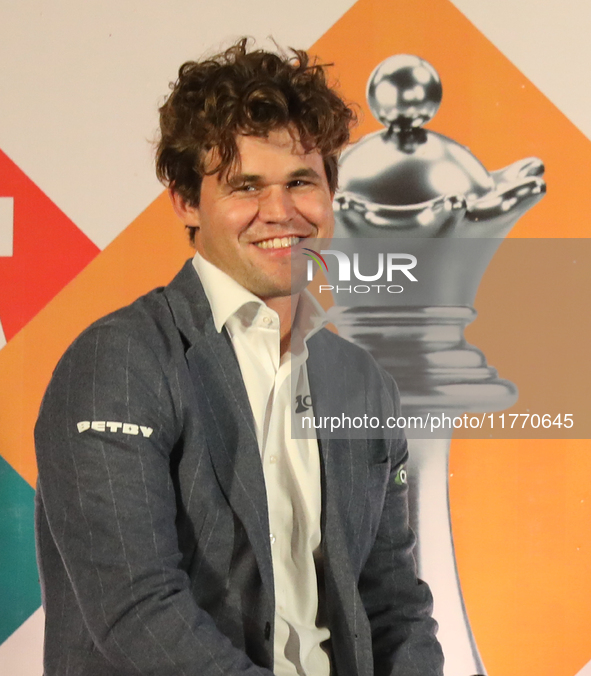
x,y
291,467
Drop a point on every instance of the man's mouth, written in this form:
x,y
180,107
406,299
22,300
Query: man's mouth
x,y
278,243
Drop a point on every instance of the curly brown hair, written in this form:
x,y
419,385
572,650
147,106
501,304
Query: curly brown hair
x,y
251,93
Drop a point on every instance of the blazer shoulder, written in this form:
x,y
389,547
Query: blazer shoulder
x,y
138,343
147,317
147,321
151,318
129,354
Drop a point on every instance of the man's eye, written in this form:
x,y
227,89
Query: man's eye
x,y
247,187
298,183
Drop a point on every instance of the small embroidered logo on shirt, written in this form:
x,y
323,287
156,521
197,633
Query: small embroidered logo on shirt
x,y
303,401
110,426
400,477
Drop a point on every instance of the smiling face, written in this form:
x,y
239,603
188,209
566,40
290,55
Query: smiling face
x,y
253,220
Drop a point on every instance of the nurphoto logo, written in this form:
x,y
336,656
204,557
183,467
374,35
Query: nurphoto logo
x,y
399,263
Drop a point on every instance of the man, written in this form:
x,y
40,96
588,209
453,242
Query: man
x,y
181,529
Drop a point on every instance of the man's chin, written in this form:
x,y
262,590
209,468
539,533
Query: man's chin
x,y
273,288
267,293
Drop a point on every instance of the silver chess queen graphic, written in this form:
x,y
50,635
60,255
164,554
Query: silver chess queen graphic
x,y
409,184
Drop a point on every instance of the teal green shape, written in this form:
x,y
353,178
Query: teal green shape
x,y
20,594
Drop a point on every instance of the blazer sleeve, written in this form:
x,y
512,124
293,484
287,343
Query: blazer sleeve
x,y
111,509
398,604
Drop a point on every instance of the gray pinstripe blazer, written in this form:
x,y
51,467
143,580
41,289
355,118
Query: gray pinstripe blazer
x,y
154,547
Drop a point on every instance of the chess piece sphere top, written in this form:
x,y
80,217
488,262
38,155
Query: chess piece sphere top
x,y
416,180
404,92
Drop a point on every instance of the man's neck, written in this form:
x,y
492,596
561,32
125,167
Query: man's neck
x,y
285,307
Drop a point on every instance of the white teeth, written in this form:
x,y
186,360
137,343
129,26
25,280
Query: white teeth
x,y
278,243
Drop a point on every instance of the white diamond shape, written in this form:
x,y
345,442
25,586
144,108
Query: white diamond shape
x,y
6,225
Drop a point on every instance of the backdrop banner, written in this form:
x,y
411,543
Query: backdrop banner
x,y
485,193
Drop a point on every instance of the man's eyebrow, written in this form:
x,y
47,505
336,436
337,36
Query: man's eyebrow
x,y
243,179
305,172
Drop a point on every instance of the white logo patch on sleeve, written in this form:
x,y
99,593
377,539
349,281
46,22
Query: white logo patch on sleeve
x,y
110,426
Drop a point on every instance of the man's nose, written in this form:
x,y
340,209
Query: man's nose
x,y
276,205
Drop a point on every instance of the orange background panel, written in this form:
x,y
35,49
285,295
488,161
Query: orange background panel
x,y
521,523
534,327
520,509
147,254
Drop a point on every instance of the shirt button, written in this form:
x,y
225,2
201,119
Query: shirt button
x,y
267,320
273,459
272,538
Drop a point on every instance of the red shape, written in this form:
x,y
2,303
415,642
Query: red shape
x,y
49,250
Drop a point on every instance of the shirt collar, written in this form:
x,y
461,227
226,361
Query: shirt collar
x,y
224,294
226,298
309,319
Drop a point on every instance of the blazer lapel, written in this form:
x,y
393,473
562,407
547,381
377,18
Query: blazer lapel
x,y
342,463
344,469
227,416
344,484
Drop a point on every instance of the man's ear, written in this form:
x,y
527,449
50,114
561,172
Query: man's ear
x,y
189,215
